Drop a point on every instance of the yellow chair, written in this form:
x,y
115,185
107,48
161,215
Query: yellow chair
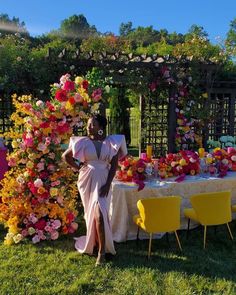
x,y
212,208
161,214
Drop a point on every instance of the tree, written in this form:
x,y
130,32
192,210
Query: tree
x,y
77,27
12,26
231,35
196,31
125,29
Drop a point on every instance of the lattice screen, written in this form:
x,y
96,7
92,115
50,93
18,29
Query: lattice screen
x,y
222,113
154,125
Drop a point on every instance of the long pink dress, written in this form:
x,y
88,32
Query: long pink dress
x,y
92,177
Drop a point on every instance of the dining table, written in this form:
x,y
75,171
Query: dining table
x,y
124,196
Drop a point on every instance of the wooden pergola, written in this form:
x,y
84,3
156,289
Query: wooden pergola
x,y
158,116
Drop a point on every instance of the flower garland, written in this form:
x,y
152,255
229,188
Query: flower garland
x,y
38,195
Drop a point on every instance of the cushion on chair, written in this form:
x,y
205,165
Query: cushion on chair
x,y
190,213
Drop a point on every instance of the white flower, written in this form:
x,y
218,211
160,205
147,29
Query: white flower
x,y
39,103
38,182
18,238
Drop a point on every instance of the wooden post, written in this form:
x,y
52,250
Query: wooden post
x,y
172,124
141,122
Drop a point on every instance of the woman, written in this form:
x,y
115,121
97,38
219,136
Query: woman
x,y
99,157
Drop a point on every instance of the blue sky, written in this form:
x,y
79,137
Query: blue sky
x,y
175,15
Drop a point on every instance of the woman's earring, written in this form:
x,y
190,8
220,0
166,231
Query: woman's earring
x,y
100,132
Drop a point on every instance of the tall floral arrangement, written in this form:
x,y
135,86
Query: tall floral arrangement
x,y
38,195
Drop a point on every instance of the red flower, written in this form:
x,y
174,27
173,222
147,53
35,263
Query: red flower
x,y
70,217
63,128
72,100
40,225
44,174
61,95
69,86
85,84
44,125
50,106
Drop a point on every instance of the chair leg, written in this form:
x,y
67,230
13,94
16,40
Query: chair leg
x,y
178,241
229,230
167,238
150,245
137,236
188,228
205,232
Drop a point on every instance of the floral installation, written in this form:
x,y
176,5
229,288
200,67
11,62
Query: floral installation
x,y
187,127
179,164
38,195
132,170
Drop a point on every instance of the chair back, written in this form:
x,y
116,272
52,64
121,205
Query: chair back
x,y
212,208
160,214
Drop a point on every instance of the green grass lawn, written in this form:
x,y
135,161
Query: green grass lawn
x,y
56,268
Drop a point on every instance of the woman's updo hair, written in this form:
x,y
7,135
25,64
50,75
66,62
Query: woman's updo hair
x,y
102,121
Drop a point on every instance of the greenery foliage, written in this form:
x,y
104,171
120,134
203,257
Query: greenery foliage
x,y
56,268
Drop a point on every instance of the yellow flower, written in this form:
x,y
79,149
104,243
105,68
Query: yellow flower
x,y
14,144
53,192
30,165
182,162
205,95
69,106
78,80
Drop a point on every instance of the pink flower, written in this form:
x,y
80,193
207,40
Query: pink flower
x,y
78,97
69,85
33,218
54,235
51,167
12,162
74,225
41,147
24,233
48,228
40,166
55,183
56,224
97,95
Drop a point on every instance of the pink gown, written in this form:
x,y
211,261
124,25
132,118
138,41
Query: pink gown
x,y
92,177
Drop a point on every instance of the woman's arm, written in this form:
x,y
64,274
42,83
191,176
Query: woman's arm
x,y
67,156
112,172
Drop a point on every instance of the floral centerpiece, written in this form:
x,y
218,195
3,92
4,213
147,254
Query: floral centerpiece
x,y
38,195
181,163
132,170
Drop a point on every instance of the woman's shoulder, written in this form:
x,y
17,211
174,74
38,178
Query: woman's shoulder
x,y
78,139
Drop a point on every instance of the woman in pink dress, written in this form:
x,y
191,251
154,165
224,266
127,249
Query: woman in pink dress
x,y
98,156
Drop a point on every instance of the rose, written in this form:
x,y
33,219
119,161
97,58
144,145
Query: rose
x,y
61,95
38,183
69,85
54,235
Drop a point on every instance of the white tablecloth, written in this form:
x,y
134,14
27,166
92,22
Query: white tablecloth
x,y
124,197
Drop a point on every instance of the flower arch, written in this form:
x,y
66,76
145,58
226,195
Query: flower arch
x,y
38,194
